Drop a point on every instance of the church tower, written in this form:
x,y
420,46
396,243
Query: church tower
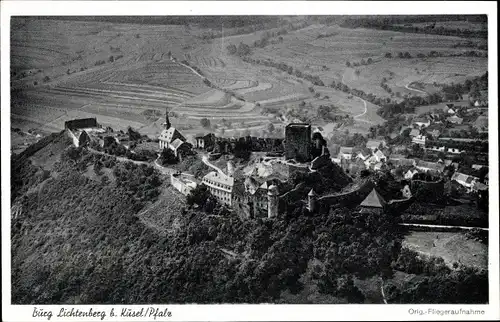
x,y
167,124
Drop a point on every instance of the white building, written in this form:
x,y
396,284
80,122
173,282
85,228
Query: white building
x,y
169,135
419,139
220,186
345,153
465,180
421,122
410,173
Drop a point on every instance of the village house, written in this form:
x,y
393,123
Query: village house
x,y
380,156
482,100
455,119
421,122
450,109
419,139
345,153
454,150
204,141
398,160
410,173
481,123
432,167
435,118
434,133
361,156
479,166
414,132
465,180
180,148
375,144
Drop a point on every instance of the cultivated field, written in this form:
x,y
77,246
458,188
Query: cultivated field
x,y
123,75
452,247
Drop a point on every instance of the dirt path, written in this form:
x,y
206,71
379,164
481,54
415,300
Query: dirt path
x,y
204,158
366,109
382,290
407,86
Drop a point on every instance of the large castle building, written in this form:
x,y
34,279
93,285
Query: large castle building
x,y
298,142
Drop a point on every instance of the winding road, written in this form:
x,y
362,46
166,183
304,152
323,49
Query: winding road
x,y
204,158
361,114
407,86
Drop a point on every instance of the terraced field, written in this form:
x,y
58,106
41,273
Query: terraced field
x,y
122,73
134,90
326,57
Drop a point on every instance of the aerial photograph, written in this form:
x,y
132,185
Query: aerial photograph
x,y
314,159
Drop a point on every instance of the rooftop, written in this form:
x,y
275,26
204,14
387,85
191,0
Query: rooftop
x,y
219,178
373,200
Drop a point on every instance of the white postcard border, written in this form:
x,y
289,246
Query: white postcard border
x,y
253,312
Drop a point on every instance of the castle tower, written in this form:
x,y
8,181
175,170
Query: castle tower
x,y
167,124
230,169
312,200
272,202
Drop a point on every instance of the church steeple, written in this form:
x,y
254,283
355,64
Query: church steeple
x,y
167,121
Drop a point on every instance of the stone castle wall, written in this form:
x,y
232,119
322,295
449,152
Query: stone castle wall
x,y
81,123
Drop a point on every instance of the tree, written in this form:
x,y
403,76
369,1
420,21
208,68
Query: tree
x,y
348,63
243,49
270,128
198,195
168,157
388,55
205,122
232,49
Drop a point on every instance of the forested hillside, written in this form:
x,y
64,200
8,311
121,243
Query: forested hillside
x,y
79,239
